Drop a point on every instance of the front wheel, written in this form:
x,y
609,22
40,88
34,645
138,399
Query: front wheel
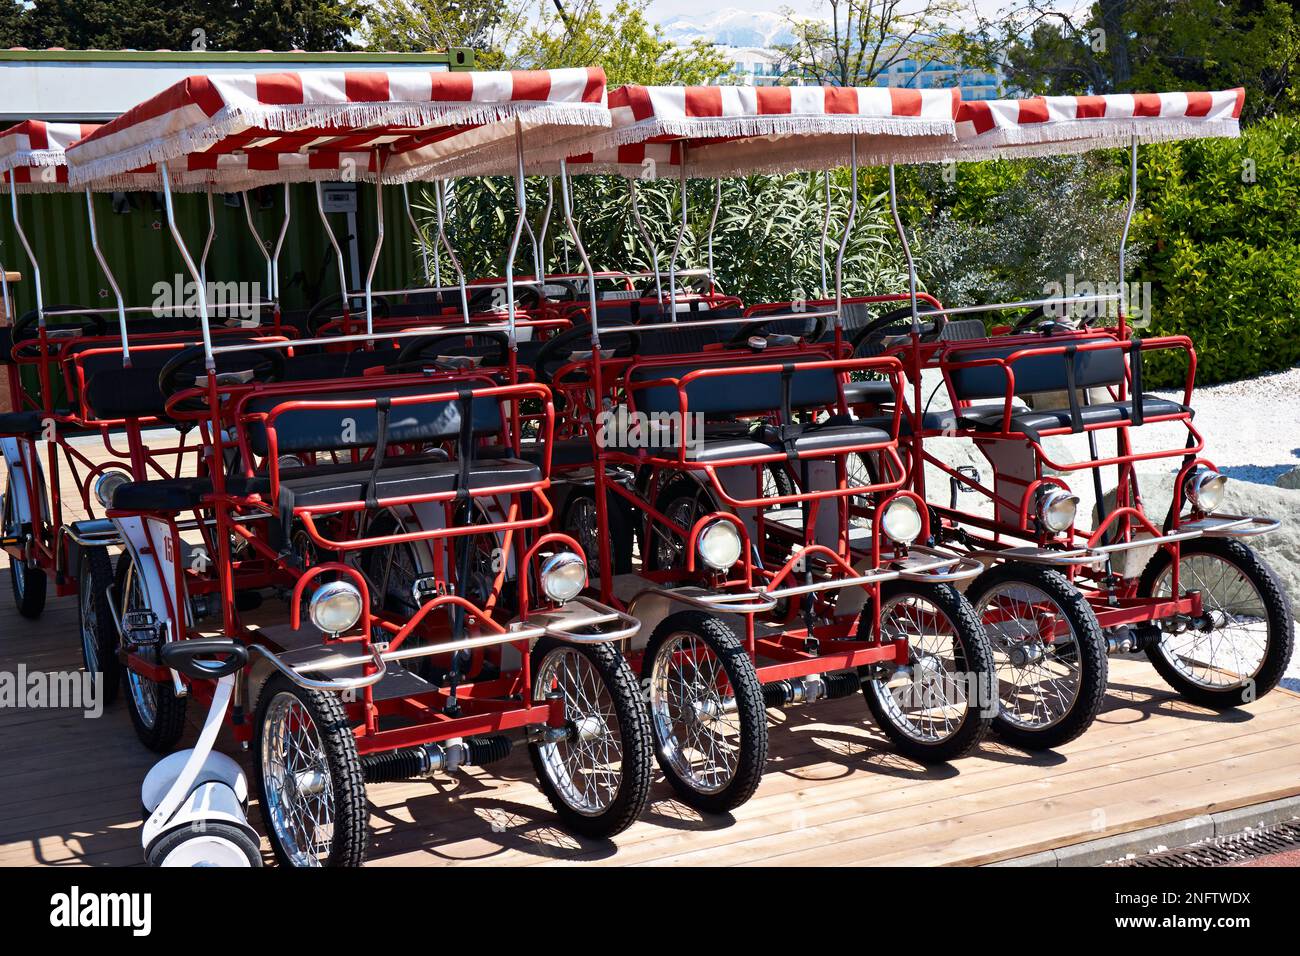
x,y
29,584
945,710
1240,647
208,843
157,714
99,635
1049,652
309,779
597,773
706,711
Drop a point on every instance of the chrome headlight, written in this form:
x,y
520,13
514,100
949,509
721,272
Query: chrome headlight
x,y
901,520
107,483
335,607
719,545
1205,488
564,575
1057,509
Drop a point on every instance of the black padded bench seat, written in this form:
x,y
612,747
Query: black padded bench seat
x,y
1029,422
21,423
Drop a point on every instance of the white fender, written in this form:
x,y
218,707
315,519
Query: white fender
x,y
153,548
20,468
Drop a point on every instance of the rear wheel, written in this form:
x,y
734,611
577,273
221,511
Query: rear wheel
x,y
1049,652
706,711
209,843
683,502
309,779
944,711
28,583
157,714
597,775
99,637
581,523
1240,648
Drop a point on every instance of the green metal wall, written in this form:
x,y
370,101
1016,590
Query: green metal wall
x,y
140,249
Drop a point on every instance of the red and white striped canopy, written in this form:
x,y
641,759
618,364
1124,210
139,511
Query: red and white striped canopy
x,y
327,124
32,154
1050,125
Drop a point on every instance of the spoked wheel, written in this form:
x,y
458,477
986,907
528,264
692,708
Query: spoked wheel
x,y
99,637
597,774
157,714
945,710
309,778
682,502
581,522
28,583
706,711
1239,649
1049,652
475,561
391,572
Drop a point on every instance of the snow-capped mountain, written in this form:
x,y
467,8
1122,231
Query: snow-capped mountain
x,y
730,27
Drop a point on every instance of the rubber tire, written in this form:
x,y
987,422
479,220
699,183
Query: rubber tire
x,y
980,660
1094,664
97,575
169,725
620,531
634,726
29,593
730,651
351,818
169,841
1278,653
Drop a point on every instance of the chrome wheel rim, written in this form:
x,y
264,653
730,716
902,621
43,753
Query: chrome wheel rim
x,y
933,706
297,782
584,525
11,528
89,621
1229,649
144,692
1038,680
670,549
693,710
585,767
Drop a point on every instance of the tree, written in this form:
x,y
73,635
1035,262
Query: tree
x,y
207,24
489,27
1137,45
862,39
11,23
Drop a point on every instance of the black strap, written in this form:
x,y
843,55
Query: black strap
x,y
789,430
1135,376
465,451
1072,390
382,406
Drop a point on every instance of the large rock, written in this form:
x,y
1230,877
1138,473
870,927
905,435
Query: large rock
x,y
1289,479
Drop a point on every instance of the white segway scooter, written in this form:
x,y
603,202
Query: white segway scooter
x,y
196,801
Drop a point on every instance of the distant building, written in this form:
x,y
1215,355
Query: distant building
x,y
757,66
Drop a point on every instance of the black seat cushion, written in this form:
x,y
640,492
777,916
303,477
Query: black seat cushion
x,y
327,365
566,453
872,392
402,481
808,440
21,423
1030,422
737,394
318,429
115,393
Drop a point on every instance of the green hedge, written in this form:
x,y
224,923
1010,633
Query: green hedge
x,y
1220,222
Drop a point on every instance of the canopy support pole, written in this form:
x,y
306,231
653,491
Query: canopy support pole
x,y
567,203
651,248
112,279
907,250
27,248
521,214
207,243
279,245
208,361
334,243
261,245
1123,242
826,231
440,200
415,230
713,222
545,227
677,245
844,239
379,244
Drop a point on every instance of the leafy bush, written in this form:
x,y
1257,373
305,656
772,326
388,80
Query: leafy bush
x,y
1223,260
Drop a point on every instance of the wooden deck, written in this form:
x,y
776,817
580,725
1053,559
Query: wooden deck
x,y
833,794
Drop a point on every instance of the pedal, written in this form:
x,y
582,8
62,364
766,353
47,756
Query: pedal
x,y
956,487
142,629
426,588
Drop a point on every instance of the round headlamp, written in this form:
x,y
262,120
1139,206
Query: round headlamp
x,y
335,607
1205,488
564,575
901,520
1057,509
107,483
719,545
